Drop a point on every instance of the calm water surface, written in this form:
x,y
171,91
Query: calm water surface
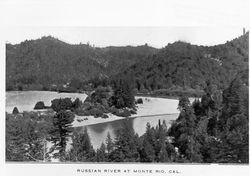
x,y
98,132
26,100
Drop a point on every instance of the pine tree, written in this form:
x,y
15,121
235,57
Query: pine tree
x,y
125,145
26,139
233,123
81,150
101,154
62,128
109,143
123,93
15,111
184,134
163,155
147,153
183,103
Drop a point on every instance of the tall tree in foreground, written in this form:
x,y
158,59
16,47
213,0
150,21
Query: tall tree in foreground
x,y
62,128
125,148
26,138
234,128
147,153
109,143
101,155
184,133
81,150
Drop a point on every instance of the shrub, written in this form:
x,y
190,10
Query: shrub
x,y
61,104
96,112
105,116
79,120
15,111
114,110
86,106
139,101
77,103
132,111
39,105
99,95
80,112
123,113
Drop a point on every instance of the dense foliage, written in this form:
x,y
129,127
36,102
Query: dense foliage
x,y
26,137
214,129
62,128
118,100
176,69
42,63
181,68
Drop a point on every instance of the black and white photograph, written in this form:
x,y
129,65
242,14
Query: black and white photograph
x,y
179,103
126,99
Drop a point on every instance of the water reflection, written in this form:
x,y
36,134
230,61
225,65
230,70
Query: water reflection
x,y
98,132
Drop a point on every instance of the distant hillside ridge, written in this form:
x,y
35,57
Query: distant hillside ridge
x,y
185,66
48,61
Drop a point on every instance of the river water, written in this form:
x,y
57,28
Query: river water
x,y
98,132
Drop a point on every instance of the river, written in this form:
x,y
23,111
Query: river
x,y
98,132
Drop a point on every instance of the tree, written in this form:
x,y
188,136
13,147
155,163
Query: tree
x,y
77,103
62,128
81,150
147,153
26,138
125,148
75,83
109,143
184,133
101,154
61,104
15,111
39,105
233,123
183,103
163,155
234,99
123,94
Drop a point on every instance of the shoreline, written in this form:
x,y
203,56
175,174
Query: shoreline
x,y
152,106
94,121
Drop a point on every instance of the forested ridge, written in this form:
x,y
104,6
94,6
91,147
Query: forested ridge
x,y
189,66
38,64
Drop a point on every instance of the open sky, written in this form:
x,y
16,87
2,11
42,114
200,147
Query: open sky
x,y
120,36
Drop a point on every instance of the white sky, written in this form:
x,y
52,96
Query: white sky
x,y
120,36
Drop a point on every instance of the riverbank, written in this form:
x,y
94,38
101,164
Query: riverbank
x,y
150,107
26,100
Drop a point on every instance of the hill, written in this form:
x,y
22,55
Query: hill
x,y
39,63
188,67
